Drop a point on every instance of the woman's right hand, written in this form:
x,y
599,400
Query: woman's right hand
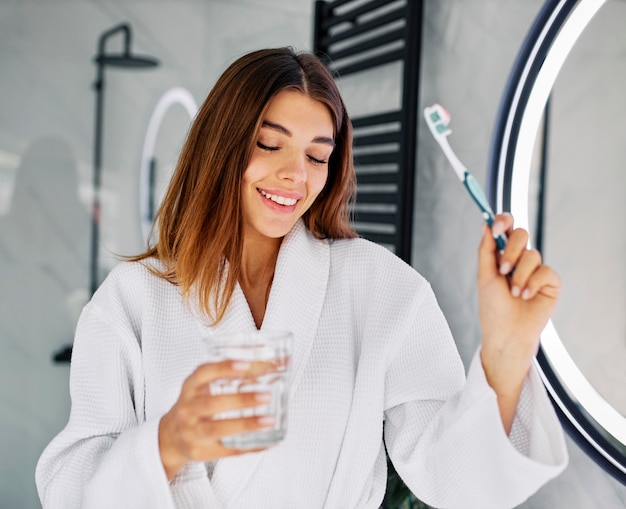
x,y
188,432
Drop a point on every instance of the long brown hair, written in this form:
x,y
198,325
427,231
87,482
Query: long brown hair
x,y
199,222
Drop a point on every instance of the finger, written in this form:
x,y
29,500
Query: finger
x,y
216,429
209,405
211,371
487,260
515,247
203,440
544,281
488,257
502,224
526,266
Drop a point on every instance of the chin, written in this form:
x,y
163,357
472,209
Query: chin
x,y
272,231
278,233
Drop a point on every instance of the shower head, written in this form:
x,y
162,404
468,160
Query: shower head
x,y
127,61
123,58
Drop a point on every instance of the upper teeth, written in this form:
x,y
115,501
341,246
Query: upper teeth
x,y
279,199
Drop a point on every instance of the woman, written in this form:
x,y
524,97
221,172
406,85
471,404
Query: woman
x,y
254,233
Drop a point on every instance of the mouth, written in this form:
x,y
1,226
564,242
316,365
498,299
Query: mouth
x,y
278,199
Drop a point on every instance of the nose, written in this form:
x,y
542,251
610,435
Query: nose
x,y
293,168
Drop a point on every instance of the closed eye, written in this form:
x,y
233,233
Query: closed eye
x,y
314,160
266,147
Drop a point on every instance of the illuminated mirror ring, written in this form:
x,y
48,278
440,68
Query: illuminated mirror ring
x,y
589,419
171,97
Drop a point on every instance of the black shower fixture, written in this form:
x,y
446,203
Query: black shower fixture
x,y
103,59
127,60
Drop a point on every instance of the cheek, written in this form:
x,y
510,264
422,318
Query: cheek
x,y
318,181
252,171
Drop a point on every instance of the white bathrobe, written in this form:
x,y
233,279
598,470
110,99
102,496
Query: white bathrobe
x,y
372,347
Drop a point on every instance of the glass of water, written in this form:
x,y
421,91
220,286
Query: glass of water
x,y
273,347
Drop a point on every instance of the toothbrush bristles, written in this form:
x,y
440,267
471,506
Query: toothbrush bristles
x,y
440,114
443,113
442,128
440,118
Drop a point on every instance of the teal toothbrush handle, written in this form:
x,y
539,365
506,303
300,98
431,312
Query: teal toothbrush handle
x,y
477,194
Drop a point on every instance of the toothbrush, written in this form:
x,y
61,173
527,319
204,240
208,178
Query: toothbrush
x,y
438,119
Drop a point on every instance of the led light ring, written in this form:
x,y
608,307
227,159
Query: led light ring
x,y
176,95
556,29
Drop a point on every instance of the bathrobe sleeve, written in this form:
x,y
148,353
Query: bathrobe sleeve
x,y
444,435
105,456
108,454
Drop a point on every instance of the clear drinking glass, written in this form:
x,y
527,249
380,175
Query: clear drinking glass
x,y
266,346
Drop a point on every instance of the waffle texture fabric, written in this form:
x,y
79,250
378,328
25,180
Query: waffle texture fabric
x,y
373,363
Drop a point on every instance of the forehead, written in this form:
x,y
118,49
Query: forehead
x,y
295,110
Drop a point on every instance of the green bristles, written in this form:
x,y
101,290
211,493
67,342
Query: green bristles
x,y
439,123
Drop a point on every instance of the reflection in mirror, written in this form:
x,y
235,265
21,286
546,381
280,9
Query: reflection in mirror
x,y
560,174
585,180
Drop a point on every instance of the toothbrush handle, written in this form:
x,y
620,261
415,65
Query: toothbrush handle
x,y
477,194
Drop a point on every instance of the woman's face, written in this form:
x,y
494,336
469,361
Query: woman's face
x,y
289,165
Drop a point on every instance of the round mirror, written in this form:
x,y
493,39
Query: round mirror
x,y
556,163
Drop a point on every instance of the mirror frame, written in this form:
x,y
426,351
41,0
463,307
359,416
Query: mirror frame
x,y
589,419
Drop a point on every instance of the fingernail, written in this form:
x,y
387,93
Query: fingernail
x,y
526,294
266,420
505,268
515,291
497,228
240,365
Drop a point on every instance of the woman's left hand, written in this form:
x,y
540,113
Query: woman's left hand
x,y
514,307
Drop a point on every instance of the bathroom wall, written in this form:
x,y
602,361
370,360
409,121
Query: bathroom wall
x,y
47,110
47,107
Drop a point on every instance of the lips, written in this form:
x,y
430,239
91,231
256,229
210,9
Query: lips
x,y
281,200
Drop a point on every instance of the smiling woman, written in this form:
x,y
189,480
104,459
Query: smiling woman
x,y
254,234
246,117
287,171
288,168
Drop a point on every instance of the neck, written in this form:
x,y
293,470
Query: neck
x,y
257,273
259,261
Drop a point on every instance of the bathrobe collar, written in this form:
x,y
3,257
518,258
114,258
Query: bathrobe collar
x,y
295,304
295,300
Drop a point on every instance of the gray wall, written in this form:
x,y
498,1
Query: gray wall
x,y
46,137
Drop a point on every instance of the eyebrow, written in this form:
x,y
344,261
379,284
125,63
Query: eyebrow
x,y
283,130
